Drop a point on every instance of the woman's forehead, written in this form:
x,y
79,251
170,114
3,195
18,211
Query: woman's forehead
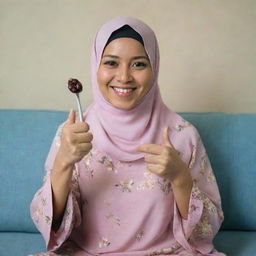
x,y
125,47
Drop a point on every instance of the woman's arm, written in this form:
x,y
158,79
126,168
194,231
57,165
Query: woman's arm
x,y
164,160
55,208
182,187
60,181
74,145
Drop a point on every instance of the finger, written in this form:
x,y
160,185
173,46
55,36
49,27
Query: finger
x,y
153,159
154,168
84,147
71,117
151,148
165,138
80,127
83,137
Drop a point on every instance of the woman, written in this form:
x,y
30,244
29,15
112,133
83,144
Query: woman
x,y
134,178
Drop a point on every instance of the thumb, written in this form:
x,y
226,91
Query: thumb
x,y
165,137
71,117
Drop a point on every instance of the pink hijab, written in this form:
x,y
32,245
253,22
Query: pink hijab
x,y
120,132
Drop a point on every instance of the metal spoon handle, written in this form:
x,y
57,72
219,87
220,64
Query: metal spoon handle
x,y
80,113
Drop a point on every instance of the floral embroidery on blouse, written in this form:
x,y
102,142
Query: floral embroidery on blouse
x,y
196,194
204,170
106,202
180,127
148,184
43,201
92,156
88,158
48,220
211,178
125,186
39,213
108,163
193,208
208,204
204,229
114,219
139,235
96,156
104,242
87,161
165,186
169,250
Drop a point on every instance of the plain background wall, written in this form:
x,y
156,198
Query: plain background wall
x,y
207,49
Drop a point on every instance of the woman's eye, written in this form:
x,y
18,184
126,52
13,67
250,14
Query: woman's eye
x,y
139,64
111,63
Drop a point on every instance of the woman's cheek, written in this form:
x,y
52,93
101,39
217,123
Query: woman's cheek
x,y
105,76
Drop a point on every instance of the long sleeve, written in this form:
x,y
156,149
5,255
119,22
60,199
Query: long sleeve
x,y
41,208
205,214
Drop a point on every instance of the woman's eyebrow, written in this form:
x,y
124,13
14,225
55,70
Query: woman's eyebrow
x,y
140,57
133,58
111,56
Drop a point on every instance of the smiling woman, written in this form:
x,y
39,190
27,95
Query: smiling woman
x,y
134,178
125,73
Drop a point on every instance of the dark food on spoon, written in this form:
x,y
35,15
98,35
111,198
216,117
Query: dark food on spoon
x,y
74,85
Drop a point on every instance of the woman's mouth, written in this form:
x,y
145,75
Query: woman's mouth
x,y
123,92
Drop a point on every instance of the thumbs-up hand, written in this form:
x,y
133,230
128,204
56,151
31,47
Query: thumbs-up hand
x,y
163,160
75,140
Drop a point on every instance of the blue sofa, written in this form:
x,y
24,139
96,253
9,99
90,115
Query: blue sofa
x,y
25,138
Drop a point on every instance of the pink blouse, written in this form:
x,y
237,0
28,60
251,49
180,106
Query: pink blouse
x,y
120,208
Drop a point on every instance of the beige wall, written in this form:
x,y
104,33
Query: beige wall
x,y
207,47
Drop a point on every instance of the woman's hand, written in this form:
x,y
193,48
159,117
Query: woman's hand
x,y
75,141
163,160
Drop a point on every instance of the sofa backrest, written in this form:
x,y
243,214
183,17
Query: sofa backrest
x,y
25,139
26,135
230,141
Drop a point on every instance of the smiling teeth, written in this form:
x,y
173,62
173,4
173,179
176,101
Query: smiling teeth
x,y
122,90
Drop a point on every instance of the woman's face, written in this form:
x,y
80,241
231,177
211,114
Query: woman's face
x,y
125,74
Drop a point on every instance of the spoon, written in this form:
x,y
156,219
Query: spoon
x,y
76,87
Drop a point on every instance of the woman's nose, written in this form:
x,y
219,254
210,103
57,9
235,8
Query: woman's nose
x,y
124,75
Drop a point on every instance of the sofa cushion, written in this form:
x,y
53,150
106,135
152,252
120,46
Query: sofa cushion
x,y
25,137
21,244
230,142
236,243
